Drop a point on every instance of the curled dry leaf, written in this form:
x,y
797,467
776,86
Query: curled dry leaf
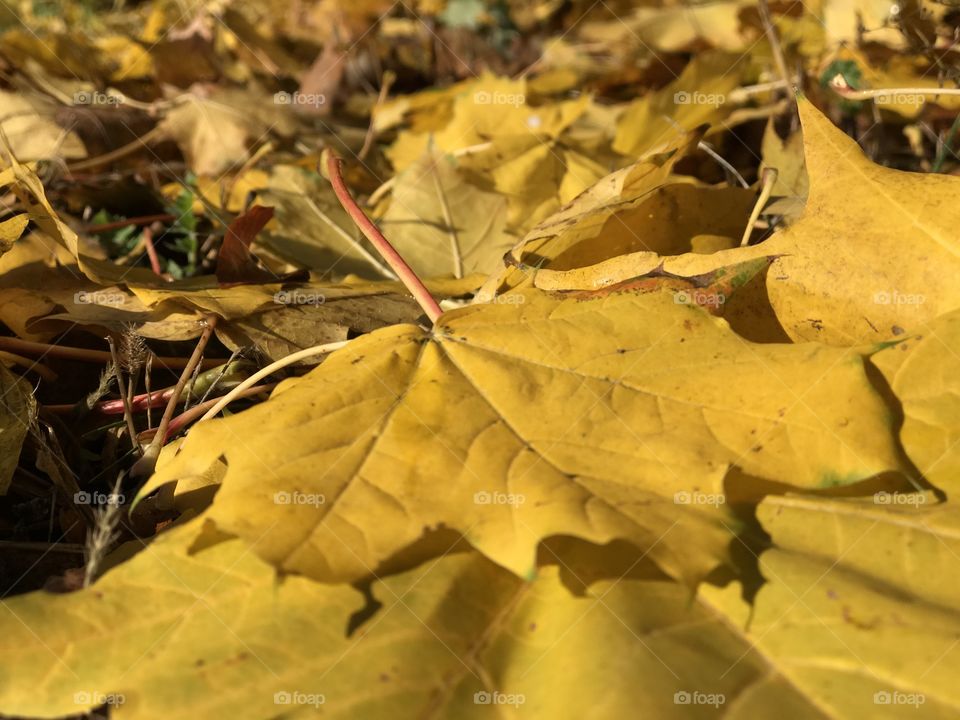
x,y
18,411
874,252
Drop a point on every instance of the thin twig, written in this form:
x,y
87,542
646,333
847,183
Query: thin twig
x,y
839,85
768,179
186,417
386,250
147,370
222,374
147,237
28,347
742,94
120,224
139,403
386,82
29,365
146,464
775,46
269,370
130,147
723,162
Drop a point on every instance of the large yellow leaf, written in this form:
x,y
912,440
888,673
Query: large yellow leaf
x,y
173,631
860,610
482,110
32,134
215,134
310,228
875,251
786,157
598,418
924,374
672,28
537,175
442,224
858,618
699,95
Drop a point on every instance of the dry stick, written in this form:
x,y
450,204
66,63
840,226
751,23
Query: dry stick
x,y
29,365
147,236
723,163
386,250
768,180
223,371
775,45
120,224
714,154
839,84
28,347
226,190
146,464
269,370
120,152
138,403
742,94
386,83
109,407
146,382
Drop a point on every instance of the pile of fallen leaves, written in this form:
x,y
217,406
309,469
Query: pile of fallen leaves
x,y
614,373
